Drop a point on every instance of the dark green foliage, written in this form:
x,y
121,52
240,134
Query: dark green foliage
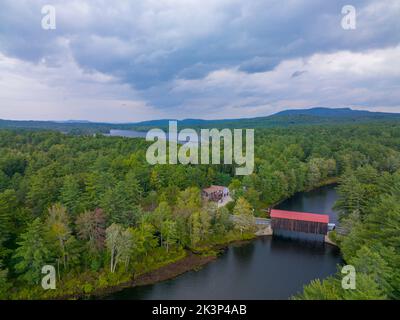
x,y
32,253
99,181
370,214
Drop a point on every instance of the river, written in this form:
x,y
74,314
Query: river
x,y
266,268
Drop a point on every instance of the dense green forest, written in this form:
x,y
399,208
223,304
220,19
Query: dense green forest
x,y
370,212
94,208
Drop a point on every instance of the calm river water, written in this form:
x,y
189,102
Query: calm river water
x,y
266,268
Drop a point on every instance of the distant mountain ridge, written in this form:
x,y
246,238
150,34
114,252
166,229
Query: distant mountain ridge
x,y
333,112
317,115
312,116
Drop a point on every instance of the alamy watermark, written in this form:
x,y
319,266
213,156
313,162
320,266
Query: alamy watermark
x,y
49,17
349,20
349,280
196,150
49,280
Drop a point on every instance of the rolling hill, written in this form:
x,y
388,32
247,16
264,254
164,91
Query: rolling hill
x,y
313,116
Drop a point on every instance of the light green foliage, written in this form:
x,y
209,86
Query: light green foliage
x,y
195,228
59,232
222,222
144,241
113,234
331,289
328,289
169,234
243,215
369,261
160,214
124,247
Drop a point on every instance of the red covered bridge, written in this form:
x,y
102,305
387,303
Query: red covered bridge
x,y
299,221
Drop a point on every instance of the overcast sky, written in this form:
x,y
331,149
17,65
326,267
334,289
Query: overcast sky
x,y
125,61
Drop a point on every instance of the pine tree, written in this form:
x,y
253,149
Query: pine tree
x,y
4,284
120,203
70,194
8,206
4,181
32,253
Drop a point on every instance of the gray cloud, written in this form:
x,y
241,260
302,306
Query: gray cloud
x,y
298,73
151,46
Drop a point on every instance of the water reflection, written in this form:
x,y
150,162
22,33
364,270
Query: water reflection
x,y
267,268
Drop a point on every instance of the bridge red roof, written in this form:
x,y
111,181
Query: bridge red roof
x,y
301,216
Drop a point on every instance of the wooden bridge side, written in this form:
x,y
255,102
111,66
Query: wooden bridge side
x,y
299,226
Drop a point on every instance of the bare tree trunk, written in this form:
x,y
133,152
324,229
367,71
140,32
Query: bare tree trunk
x,y
58,269
167,245
112,259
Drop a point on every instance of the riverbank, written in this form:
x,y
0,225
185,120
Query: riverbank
x,y
195,260
98,285
328,240
164,267
170,271
327,182
190,260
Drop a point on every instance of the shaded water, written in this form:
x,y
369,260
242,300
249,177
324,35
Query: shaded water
x,y
320,200
266,268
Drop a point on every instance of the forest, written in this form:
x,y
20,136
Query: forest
x,y
370,211
96,210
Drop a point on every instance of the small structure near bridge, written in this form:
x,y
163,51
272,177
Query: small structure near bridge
x,y
303,222
215,193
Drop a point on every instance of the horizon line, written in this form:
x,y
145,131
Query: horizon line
x,y
82,121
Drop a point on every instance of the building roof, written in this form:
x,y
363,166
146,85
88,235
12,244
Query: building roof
x,y
301,216
213,189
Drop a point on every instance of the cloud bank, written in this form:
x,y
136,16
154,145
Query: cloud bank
x,y
135,60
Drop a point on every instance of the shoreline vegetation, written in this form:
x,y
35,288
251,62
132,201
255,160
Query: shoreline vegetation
x,y
179,262
192,261
370,215
326,182
186,260
93,207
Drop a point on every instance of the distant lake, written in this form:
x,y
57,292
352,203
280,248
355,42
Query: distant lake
x,y
126,134
143,134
